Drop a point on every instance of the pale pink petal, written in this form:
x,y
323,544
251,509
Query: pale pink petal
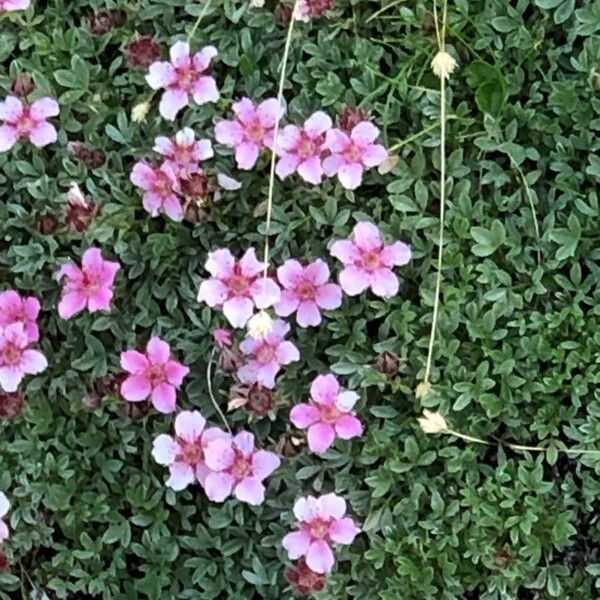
x,y
319,557
33,361
143,176
348,427
311,170
172,207
364,133
290,273
172,101
164,449
217,486
246,155
317,271
317,124
43,109
136,388
250,265
286,165
202,59
296,544
353,280
248,373
279,330
134,362
287,353
384,283
10,378
163,145
264,463
304,415
332,506
306,509
343,531
320,437
308,314
373,155
189,425
175,372
265,374
4,531
244,442
238,310
288,138
397,254
158,351
332,164
269,112
228,183
219,453
160,75
250,345
346,401
152,203
220,263
164,398
205,90
336,140
42,134
350,175
329,296
250,490
367,236
244,110
4,504
229,133
204,149
180,54
11,110
324,389
213,291
181,475
265,292
70,304
346,251
287,304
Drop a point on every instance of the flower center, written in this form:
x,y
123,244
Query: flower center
x,y
319,529
306,290
330,413
25,124
90,284
241,467
371,260
156,375
352,153
191,452
11,354
255,131
162,184
306,147
183,154
186,77
239,284
265,354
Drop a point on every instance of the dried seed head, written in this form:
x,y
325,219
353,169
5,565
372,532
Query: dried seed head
x,y
388,363
304,580
313,9
22,85
91,401
432,422
102,21
352,116
47,224
502,559
423,389
3,561
11,404
443,64
140,111
283,13
195,185
143,51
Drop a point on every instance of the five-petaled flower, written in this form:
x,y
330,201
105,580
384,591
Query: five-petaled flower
x,y
368,261
237,286
90,285
238,468
8,5
265,356
15,308
161,186
301,148
352,154
4,507
184,453
306,291
153,374
27,121
16,358
251,130
183,152
321,524
328,414
185,75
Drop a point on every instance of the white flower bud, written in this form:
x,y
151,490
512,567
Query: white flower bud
x,y
443,64
432,422
139,112
260,325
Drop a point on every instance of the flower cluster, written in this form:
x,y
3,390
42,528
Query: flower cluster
x,y
18,332
27,121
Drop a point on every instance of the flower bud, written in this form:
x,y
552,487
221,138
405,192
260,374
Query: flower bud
x,y
304,580
11,404
143,51
140,111
47,224
388,363
22,85
352,116
260,325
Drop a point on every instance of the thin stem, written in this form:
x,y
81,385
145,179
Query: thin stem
x,y
468,438
198,20
284,60
210,389
383,9
419,134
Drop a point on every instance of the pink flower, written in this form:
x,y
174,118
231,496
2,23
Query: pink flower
x,y
368,261
89,286
352,154
237,286
222,337
16,309
153,374
184,454
306,290
238,468
8,5
161,187
16,359
321,524
250,131
328,414
4,507
183,152
22,121
301,148
266,355
184,76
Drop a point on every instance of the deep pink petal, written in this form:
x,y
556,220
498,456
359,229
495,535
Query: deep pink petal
x,y
304,415
136,388
219,454
348,427
100,300
164,398
320,437
70,304
324,389
175,372
158,351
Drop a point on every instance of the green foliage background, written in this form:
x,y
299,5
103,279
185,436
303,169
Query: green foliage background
x,y
518,351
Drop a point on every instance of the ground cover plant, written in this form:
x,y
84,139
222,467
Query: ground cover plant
x,y
181,418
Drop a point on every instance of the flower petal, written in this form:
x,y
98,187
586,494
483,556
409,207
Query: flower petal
x,y
343,531
329,296
181,475
317,124
303,415
164,398
164,449
332,506
42,134
189,425
320,437
264,463
296,544
172,101
158,351
175,372
217,486
136,388
250,490
238,310
319,557
384,283
354,280
324,389
348,427
308,314
134,362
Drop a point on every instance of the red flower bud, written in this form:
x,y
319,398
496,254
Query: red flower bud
x,y
143,52
22,85
11,404
352,116
304,581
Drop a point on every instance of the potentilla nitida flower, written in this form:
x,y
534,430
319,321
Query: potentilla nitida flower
x,y
27,121
9,5
89,286
251,130
183,153
321,523
237,286
161,188
184,453
238,469
265,356
15,308
153,374
143,51
306,291
183,77
328,415
352,154
16,358
301,148
368,261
